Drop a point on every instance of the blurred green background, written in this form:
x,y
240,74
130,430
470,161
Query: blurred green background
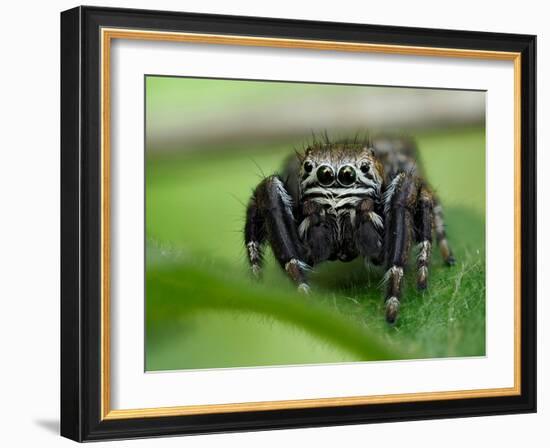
x,y
209,142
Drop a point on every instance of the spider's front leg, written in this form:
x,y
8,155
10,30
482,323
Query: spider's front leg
x,y
270,217
400,204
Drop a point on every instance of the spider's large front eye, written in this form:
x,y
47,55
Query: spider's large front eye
x,y
325,175
346,175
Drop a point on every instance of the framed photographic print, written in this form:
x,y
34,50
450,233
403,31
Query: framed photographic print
x,y
273,223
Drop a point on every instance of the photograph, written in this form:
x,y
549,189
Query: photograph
x,y
273,223
296,223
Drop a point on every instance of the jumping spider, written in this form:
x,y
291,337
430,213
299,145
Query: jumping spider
x,y
340,200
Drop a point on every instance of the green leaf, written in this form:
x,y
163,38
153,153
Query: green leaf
x,y
197,319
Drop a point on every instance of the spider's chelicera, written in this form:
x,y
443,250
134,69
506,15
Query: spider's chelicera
x,y
341,200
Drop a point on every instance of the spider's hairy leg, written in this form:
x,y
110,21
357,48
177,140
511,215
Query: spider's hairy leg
x,y
399,235
254,237
271,207
440,234
424,229
369,228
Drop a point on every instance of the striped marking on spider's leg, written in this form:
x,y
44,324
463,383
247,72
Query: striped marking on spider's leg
x,y
285,197
255,257
422,263
392,309
390,191
393,280
295,269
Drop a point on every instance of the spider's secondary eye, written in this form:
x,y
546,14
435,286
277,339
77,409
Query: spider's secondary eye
x,y
308,166
346,175
364,167
325,175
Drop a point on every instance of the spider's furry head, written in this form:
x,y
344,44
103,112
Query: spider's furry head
x,y
343,163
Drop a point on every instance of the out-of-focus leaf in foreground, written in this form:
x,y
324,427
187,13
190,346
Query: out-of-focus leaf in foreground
x,y
197,319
